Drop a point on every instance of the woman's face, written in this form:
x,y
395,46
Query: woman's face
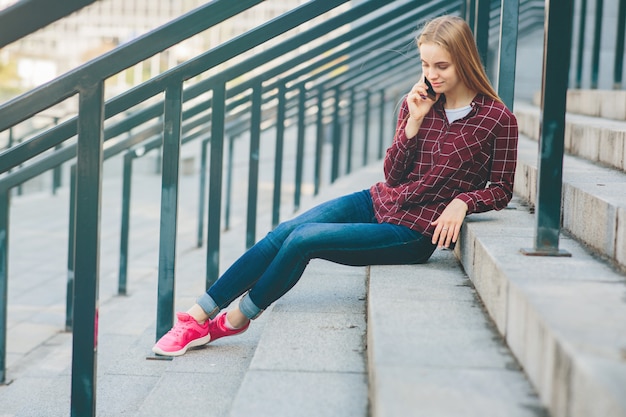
x,y
437,66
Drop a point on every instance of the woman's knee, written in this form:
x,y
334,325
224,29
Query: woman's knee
x,y
279,234
302,238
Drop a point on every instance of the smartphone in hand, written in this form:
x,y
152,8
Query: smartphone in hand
x,y
430,91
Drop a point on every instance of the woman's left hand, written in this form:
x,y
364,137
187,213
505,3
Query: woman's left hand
x,y
448,225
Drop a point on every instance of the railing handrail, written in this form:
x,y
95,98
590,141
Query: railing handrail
x,y
156,109
39,13
201,87
66,130
26,150
119,59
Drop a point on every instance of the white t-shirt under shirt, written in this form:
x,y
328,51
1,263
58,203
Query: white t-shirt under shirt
x,y
456,114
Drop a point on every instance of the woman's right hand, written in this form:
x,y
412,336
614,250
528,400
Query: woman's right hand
x,y
419,105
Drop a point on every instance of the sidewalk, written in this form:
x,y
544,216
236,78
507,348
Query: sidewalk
x,y
39,350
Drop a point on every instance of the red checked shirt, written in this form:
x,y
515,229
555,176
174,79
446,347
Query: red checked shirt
x,y
472,159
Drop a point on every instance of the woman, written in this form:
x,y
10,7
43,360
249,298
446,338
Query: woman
x,y
453,154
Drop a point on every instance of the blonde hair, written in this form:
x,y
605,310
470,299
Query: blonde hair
x,y
454,35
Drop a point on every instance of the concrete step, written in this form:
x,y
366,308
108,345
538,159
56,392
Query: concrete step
x,y
608,104
563,318
594,201
432,350
599,140
310,360
311,357
426,345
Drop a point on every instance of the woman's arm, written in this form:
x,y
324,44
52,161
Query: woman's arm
x,y
457,167
499,191
495,197
400,155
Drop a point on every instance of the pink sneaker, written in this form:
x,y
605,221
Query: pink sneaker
x,y
218,329
186,333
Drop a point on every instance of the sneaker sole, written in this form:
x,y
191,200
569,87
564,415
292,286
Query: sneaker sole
x,y
197,342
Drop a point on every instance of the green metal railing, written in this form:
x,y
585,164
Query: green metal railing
x,y
597,31
88,82
367,66
556,63
40,13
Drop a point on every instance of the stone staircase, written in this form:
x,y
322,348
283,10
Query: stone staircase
x,y
594,186
402,340
563,318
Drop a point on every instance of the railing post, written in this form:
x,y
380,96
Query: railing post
x,y
582,23
334,174
319,141
56,171
597,37
169,207
202,191
554,93
619,46
11,142
350,132
5,198
300,147
509,23
215,184
470,12
366,121
278,155
463,9
88,195
253,164
127,178
481,29
381,126
56,175
228,193
71,248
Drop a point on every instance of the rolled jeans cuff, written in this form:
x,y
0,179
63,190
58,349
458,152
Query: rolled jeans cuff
x,y
208,305
248,308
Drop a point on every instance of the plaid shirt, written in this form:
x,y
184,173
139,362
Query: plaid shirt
x,y
472,159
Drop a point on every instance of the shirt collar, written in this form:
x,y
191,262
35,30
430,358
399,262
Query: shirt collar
x,y
476,103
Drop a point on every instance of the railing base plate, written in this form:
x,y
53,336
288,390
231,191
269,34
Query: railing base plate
x,y
536,252
155,357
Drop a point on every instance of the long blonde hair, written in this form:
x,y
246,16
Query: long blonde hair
x,y
454,35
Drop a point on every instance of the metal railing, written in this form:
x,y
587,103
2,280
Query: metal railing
x,y
88,82
367,65
598,29
40,13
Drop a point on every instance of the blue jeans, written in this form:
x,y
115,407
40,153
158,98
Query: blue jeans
x,y
343,230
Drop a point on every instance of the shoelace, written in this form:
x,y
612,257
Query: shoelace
x,y
180,328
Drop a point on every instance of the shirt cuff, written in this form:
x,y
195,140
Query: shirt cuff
x,y
406,143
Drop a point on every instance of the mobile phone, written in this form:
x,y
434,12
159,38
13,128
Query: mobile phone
x,y
430,91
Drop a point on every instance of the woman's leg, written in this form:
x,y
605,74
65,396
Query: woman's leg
x,y
246,271
275,264
354,244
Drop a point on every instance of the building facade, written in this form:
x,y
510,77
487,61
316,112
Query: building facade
x,y
105,24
